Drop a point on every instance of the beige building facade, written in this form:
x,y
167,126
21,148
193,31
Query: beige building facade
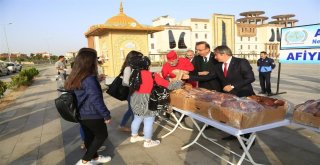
x,y
114,39
223,30
200,30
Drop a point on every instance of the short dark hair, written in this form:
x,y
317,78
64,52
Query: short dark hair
x,y
60,57
264,52
203,42
223,50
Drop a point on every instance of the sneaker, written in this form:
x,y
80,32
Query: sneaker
x,y
134,139
124,129
80,163
101,159
102,148
151,143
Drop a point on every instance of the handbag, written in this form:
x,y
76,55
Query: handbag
x,y
159,97
117,90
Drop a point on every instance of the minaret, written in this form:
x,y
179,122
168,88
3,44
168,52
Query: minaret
x,y
121,8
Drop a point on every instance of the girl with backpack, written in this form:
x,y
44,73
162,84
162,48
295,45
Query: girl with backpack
x,y
141,84
94,115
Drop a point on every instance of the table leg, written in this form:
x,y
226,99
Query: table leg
x,y
203,135
246,147
196,139
182,126
175,127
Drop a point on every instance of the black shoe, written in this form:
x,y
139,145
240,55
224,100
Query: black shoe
x,y
261,92
230,137
271,94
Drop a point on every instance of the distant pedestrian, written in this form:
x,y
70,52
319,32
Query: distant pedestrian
x,y
265,67
101,75
94,115
61,67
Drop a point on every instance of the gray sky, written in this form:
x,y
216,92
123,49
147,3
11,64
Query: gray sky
x,y
58,26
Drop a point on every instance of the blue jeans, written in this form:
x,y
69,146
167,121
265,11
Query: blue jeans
x,y
81,133
126,115
147,126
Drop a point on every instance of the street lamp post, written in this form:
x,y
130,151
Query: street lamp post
x,y
5,34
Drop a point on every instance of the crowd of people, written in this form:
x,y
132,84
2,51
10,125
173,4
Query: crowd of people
x,y
218,70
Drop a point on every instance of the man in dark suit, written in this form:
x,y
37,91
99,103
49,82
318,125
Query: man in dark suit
x,y
235,74
204,68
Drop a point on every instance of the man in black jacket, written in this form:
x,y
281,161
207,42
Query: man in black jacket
x,y
235,74
204,68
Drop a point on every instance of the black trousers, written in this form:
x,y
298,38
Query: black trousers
x,y
265,84
95,133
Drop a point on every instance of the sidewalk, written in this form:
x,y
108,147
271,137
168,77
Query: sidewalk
x,y
31,131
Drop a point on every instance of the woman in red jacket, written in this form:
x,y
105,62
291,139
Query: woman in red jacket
x,y
141,84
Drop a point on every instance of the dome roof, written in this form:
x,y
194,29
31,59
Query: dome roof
x,y
122,20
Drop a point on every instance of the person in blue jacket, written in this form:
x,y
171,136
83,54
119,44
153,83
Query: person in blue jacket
x,y
265,66
94,115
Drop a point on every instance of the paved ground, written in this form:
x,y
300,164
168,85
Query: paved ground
x,y
31,131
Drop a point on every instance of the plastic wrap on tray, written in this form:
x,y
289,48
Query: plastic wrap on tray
x,y
243,105
245,113
308,113
234,111
267,101
310,106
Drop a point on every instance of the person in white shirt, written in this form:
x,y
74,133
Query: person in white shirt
x,y
61,67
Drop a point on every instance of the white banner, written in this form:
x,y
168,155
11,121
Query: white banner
x,y
301,56
300,37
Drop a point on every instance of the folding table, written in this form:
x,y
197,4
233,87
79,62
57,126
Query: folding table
x,y
245,143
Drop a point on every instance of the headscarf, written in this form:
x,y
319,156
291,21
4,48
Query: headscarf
x,y
137,64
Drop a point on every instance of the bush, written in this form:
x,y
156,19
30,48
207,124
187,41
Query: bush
x,y
29,73
3,88
23,78
18,80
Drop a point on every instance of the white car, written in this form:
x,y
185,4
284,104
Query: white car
x,y
18,67
11,66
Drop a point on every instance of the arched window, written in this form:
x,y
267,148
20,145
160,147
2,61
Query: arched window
x,y
181,44
172,42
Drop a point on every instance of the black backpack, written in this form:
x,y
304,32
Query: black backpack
x,y
66,105
159,97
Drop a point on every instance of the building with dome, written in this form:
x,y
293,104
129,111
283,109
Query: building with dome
x,y
114,39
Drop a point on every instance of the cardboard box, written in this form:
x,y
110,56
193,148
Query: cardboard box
x,y
188,103
306,119
234,118
241,119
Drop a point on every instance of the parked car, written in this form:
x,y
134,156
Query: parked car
x,y
18,67
3,69
12,67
